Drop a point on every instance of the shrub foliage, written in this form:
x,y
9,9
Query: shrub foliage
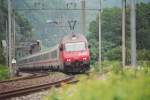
x,y
4,72
112,86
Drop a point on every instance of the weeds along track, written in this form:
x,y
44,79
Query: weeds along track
x,y
25,85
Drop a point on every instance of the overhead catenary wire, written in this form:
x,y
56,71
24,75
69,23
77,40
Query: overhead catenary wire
x,y
54,9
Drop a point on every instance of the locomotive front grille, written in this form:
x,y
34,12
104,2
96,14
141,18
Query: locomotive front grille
x,y
76,63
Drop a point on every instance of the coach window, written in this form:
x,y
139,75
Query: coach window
x,y
31,59
36,58
54,54
39,57
44,57
28,60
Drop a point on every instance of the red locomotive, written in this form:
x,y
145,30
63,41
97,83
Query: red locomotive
x,y
70,55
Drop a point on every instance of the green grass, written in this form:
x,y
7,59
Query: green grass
x,y
106,66
111,86
4,72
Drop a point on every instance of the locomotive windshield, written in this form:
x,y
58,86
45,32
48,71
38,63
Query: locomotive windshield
x,y
79,46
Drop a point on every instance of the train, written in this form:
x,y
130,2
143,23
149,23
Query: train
x,y
71,55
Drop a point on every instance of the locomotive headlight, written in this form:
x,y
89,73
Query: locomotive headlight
x,y
84,58
68,59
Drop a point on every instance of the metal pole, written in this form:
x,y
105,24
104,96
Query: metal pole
x,y
123,33
9,32
100,59
82,17
14,36
133,33
7,60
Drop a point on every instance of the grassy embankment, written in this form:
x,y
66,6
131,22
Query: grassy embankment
x,y
115,85
4,73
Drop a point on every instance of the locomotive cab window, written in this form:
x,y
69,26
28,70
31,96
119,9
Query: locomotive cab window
x,y
78,46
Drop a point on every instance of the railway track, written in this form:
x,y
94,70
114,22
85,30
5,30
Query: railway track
x,y
17,87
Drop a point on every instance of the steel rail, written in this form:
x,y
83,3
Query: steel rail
x,y
13,93
24,78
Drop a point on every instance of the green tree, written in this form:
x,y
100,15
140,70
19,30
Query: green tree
x,y
111,33
143,26
21,21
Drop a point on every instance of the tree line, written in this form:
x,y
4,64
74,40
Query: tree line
x,y
25,32
112,34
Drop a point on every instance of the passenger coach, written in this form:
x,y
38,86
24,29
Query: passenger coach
x,y
70,55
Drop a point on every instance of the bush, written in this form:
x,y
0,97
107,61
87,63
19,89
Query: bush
x,y
145,65
144,55
4,72
106,66
109,87
2,59
114,54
